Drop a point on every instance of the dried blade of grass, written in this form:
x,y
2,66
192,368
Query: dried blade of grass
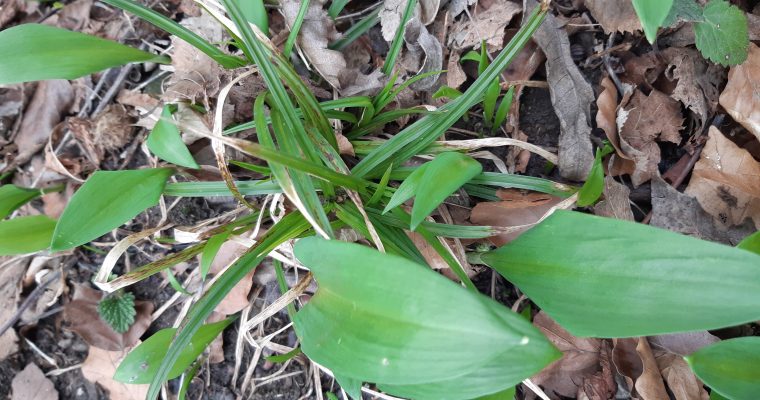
x,y
281,303
101,279
474,144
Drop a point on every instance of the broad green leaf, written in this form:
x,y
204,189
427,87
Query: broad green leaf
x,y
751,243
652,14
165,142
508,394
118,310
443,176
107,200
714,395
33,52
254,12
594,185
730,367
381,318
407,189
684,10
13,197
608,278
141,364
25,234
723,35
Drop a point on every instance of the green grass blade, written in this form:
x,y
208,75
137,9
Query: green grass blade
x,y
357,30
296,28
398,39
208,189
336,7
34,52
503,110
168,25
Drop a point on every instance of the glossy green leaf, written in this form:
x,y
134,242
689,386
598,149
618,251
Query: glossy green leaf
x,y
407,189
141,364
750,243
25,234
730,367
424,318
594,185
13,197
166,142
34,52
107,200
609,278
723,35
652,14
445,174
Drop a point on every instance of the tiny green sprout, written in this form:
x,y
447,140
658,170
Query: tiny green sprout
x,y
118,310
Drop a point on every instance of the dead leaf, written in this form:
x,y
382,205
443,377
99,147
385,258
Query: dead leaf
x,y
627,362
237,299
74,16
644,121
100,366
434,260
50,103
10,290
424,54
196,76
525,209
571,97
726,181
740,97
428,10
642,70
390,18
616,203
694,78
682,213
683,344
485,24
649,385
614,15
680,378
32,384
457,7
455,75
109,130
580,360
82,317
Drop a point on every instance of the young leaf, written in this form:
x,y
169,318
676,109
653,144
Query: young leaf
x,y
210,250
420,318
609,278
13,197
254,12
33,52
594,185
447,92
407,189
118,310
723,35
107,200
751,243
445,174
730,367
503,110
652,14
141,364
684,10
165,142
25,234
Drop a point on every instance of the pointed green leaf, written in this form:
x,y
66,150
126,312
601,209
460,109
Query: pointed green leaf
x,y
503,110
25,234
594,185
33,52
424,318
141,364
723,35
13,197
608,278
210,251
652,14
407,189
165,142
107,200
445,174
751,243
730,367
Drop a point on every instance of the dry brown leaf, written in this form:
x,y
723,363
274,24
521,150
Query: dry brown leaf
x,y
434,260
616,203
50,103
32,384
237,299
109,130
646,120
424,54
580,360
571,97
683,344
739,97
614,15
10,290
196,76
680,378
428,10
82,317
643,70
726,181
521,211
606,119
488,25
74,16
100,366
649,385
695,80
679,212
455,75
627,362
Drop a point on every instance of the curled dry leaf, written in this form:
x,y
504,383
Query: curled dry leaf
x,y
696,80
109,130
82,317
644,121
100,366
10,290
606,119
683,344
196,76
517,209
488,25
680,378
682,213
571,96
649,385
424,55
739,97
616,201
614,15
32,384
237,299
627,362
580,360
726,181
